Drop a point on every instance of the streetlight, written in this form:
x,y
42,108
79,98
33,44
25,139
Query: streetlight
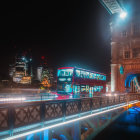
x,y
123,15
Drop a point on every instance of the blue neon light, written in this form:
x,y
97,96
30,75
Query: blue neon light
x,y
121,70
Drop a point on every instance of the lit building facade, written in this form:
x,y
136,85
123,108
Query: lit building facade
x,y
20,70
125,53
125,45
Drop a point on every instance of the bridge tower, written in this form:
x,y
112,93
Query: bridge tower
x,y
125,43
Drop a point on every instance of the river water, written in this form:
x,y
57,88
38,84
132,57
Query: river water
x,y
126,127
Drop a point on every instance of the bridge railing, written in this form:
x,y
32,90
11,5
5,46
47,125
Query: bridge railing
x,y
16,115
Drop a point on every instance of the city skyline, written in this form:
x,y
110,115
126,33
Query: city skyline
x,y
74,70
66,33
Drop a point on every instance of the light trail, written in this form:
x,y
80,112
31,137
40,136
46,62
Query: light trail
x,y
12,99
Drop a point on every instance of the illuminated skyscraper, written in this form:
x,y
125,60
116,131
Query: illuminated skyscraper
x,y
20,71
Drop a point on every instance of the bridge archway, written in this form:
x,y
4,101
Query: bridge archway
x,y
132,82
121,81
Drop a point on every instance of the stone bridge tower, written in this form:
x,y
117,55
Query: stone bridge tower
x,y
125,44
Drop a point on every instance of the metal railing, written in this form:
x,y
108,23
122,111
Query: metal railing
x,y
17,115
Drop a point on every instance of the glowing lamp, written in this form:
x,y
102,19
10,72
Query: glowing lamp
x,y
123,15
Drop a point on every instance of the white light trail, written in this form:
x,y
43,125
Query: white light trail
x,y
12,99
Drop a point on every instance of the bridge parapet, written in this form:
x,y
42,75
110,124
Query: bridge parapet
x,y
14,116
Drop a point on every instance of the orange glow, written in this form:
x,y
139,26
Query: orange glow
x,y
45,83
26,80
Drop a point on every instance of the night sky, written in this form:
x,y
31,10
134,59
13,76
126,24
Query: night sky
x,y
67,33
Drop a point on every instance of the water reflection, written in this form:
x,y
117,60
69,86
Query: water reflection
x,y
127,126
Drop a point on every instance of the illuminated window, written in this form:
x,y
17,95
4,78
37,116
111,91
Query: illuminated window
x,y
98,88
98,76
87,88
83,88
62,73
62,79
78,73
127,54
104,78
83,74
76,88
94,76
68,88
91,75
65,72
64,87
87,74
101,77
69,79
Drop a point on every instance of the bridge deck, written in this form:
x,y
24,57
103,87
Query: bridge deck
x,y
20,118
